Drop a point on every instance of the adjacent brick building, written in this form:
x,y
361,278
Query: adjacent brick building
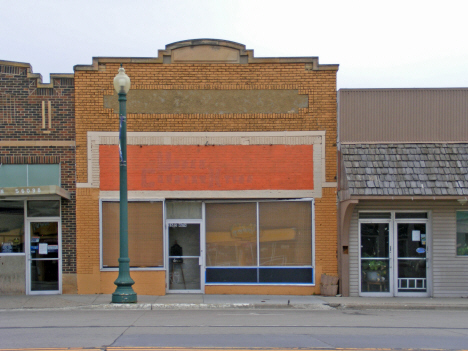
x,y
231,168
37,182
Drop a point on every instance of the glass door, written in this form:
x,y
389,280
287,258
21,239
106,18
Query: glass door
x,y
184,256
411,276
375,275
44,257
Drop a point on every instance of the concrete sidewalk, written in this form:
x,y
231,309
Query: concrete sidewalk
x,y
200,301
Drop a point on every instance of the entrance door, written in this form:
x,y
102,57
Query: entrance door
x,y
376,258
393,254
185,258
44,257
411,254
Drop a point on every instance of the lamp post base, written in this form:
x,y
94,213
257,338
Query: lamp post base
x,y
128,296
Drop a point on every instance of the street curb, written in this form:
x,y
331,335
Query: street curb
x,y
245,306
340,306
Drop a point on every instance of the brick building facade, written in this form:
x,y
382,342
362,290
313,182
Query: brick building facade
x,y
231,158
37,181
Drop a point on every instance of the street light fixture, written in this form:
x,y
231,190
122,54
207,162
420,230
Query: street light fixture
x,y
124,292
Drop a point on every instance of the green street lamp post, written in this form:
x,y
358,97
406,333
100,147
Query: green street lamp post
x,y
124,292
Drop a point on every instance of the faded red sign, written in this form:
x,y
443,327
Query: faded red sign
x,y
220,167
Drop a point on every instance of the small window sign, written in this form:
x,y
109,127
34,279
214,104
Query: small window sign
x,y
43,249
423,239
416,235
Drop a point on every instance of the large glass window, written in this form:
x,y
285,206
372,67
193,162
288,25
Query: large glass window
x,y
231,234
285,233
462,233
11,227
145,234
268,242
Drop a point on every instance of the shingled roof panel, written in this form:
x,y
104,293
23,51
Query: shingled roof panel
x,y
406,169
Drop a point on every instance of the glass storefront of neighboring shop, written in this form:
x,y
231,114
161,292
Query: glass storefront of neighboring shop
x,y
31,228
199,243
30,252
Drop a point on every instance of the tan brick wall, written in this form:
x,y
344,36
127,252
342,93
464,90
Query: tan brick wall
x,y
320,86
92,85
326,234
87,230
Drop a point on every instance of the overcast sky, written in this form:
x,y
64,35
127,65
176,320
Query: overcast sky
x,y
378,44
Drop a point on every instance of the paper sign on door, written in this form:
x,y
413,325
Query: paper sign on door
x,y
43,249
416,235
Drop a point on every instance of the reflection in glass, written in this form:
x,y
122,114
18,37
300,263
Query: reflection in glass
x,y
44,240
375,276
285,228
44,256
412,275
11,226
44,208
44,275
184,274
187,237
231,234
374,240
412,257
462,233
375,272
411,240
184,271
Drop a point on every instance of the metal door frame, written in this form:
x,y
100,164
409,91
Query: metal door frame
x,y
201,257
27,231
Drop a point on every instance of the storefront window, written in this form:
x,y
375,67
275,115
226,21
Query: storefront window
x,y
279,251
285,229
462,233
145,234
231,234
11,227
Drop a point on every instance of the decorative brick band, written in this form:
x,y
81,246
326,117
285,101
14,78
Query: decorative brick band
x,y
29,159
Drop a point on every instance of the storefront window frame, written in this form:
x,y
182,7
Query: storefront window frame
x,y
258,266
114,269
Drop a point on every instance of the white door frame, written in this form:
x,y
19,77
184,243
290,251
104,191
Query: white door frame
x,y
390,268
393,252
201,257
428,255
28,254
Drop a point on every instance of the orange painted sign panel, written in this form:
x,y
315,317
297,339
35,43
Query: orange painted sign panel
x,y
219,167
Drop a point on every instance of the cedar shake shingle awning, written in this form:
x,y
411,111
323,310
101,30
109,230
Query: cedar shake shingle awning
x,y
406,169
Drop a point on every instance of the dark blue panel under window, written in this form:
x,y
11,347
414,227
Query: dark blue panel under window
x,y
231,275
265,275
286,275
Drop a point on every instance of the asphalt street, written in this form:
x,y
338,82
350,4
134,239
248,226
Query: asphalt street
x,y
268,328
